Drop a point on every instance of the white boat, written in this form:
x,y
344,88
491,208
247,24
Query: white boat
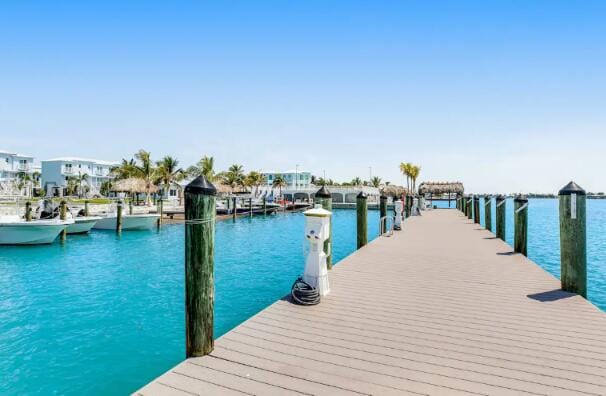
x,y
129,222
82,224
16,231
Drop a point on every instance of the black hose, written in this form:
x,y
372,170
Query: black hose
x,y
303,294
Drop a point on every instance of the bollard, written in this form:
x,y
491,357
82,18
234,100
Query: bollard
x,y
362,221
383,212
86,211
130,206
476,209
324,198
470,207
63,216
200,213
573,239
28,211
160,212
488,212
501,206
119,217
234,210
520,216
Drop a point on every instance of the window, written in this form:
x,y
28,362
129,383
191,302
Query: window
x,y
173,193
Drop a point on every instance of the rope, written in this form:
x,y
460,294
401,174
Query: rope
x,y
521,208
303,294
199,221
487,202
500,203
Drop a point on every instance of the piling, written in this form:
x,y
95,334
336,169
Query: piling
x,y
383,211
488,212
28,211
470,207
520,217
264,205
324,198
476,209
86,211
130,206
362,219
501,207
119,217
160,212
234,209
573,239
63,216
250,211
200,214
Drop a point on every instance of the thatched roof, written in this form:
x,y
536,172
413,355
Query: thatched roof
x,y
393,191
132,185
441,187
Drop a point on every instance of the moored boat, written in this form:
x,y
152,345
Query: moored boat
x,y
16,231
82,224
132,222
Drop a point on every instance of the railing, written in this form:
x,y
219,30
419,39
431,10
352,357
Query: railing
x,y
384,230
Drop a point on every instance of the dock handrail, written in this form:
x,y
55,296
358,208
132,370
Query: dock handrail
x,y
383,229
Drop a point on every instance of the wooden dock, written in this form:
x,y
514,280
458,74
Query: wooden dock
x,y
440,308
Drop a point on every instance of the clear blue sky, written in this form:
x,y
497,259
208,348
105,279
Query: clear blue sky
x,y
506,96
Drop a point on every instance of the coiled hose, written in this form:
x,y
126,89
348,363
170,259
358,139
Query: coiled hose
x,y
302,293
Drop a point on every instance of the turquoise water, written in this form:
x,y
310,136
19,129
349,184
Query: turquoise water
x,y
105,314
544,240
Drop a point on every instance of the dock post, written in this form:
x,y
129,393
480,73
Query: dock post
x,y
324,198
470,207
63,216
264,205
234,210
130,206
200,214
476,209
86,211
160,211
520,239
573,239
488,212
119,217
362,220
501,205
28,211
383,212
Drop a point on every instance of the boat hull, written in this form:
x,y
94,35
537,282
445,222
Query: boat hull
x,y
30,233
129,222
82,225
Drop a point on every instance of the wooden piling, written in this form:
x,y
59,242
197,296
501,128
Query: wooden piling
x,y
324,198
383,211
28,211
234,209
86,209
250,210
200,214
119,217
573,239
264,205
130,206
63,216
501,206
470,207
520,216
476,209
488,212
362,219
160,212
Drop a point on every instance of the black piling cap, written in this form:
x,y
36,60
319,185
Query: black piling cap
x,y
572,188
487,196
521,198
362,195
500,197
323,193
200,185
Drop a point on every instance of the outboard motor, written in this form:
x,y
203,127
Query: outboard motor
x,y
48,210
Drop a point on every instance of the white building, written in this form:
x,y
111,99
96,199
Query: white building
x,y
295,179
11,165
56,173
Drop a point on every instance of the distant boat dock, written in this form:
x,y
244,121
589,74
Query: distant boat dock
x,y
439,308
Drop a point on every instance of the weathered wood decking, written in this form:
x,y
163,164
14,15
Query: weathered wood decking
x,y
440,308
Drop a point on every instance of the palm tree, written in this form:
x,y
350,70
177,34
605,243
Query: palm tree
x,y
375,181
168,171
24,180
356,181
204,167
125,170
406,168
415,170
72,185
279,182
146,171
106,187
234,176
254,179
82,177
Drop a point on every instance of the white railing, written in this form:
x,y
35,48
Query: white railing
x,y
386,229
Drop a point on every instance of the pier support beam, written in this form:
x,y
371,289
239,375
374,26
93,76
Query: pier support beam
x,y
200,214
264,205
476,209
234,210
573,239
323,197
362,219
520,239
488,212
63,216
501,206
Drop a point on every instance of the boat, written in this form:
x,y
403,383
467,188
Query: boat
x,y
130,222
16,231
82,224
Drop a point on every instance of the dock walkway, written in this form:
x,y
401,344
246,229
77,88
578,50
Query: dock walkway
x,y
440,308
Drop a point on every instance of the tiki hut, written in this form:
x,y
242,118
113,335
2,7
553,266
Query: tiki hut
x,y
133,185
393,191
437,190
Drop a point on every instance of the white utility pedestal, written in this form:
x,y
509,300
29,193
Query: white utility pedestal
x,y
317,228
398,207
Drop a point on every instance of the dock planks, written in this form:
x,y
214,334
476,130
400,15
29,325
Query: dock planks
x,y
440,308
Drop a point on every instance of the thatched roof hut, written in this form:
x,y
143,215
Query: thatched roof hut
x,y
393,191
438,188
133,185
